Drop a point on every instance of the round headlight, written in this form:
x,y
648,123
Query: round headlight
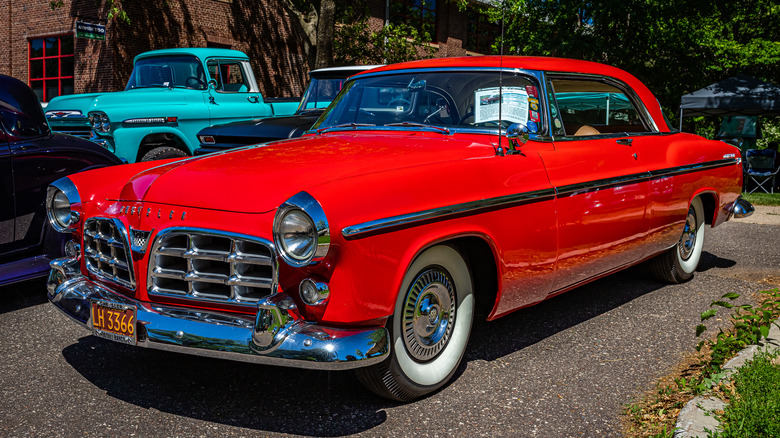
x,y
58,209
301,231
105,125
297,236
96,123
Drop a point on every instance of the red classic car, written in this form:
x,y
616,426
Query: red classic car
x,y
427,193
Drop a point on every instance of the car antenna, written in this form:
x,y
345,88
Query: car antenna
x,y
501,83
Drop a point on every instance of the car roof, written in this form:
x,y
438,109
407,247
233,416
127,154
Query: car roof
x,y
539,63
343,71
200,52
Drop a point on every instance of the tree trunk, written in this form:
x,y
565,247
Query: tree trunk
x,y
325,29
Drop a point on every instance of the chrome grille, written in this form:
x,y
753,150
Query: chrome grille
x,y
107,252
211,266
85,134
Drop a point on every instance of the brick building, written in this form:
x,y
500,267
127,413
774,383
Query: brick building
x,y
40,45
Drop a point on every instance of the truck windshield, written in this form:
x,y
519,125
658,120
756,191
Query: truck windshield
x,y
168,71
320,93
447,99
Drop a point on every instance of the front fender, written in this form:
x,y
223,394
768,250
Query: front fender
x,y
127,141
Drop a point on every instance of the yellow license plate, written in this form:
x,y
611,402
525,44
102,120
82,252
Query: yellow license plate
x,y
114,321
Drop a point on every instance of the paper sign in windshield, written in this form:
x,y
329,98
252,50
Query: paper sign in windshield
x,y
514,108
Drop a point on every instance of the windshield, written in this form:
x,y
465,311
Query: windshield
x,y
168,71
320,93
439,98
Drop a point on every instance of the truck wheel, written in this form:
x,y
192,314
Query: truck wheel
x,y
429,329
679,263
163,153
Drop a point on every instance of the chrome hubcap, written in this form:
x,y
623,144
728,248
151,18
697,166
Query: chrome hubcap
x,y
688,239
429,314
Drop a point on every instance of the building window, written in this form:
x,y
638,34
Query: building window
x,y
419,14
481,33
51,66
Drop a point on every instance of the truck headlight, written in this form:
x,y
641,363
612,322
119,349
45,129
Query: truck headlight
x,y
60,195
301,232
100,122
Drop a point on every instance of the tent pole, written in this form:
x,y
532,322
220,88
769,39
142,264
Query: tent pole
x,y
681,116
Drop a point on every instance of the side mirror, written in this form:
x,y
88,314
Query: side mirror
x,y
212,84
517,134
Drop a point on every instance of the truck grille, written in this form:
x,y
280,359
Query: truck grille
x,y
107,252
85,134
211,266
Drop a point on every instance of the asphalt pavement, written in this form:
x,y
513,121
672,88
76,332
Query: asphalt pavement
x,y
563,368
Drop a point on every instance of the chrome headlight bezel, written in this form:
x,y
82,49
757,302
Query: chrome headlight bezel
x,y
100,122
308,213
60,197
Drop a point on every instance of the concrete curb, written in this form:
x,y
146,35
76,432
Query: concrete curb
x,y
698,413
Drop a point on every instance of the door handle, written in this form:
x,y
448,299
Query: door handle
x,y
253,99
625,141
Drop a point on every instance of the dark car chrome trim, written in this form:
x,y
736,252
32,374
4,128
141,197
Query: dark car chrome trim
x,y
411,219
465,208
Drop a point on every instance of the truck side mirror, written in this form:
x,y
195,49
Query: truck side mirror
x,y
212,84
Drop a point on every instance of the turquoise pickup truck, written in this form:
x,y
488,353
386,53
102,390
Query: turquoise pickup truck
x,y
171,95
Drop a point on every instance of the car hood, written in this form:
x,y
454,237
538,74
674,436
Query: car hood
x,y
258,179
81,102
139,97
273,127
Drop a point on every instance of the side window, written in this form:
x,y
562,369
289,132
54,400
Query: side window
x,y
591,107
229,76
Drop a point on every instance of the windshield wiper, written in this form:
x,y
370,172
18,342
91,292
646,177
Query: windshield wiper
x,y
352,125
420,125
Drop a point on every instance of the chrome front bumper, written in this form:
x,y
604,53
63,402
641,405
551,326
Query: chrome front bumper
x,y
276,336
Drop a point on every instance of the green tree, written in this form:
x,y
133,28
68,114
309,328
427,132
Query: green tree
x,y
673,46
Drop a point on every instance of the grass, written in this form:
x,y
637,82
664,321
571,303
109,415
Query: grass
x,y
754,400
655,414
756,198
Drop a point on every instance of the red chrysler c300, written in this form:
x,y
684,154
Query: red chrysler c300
x,y
427,193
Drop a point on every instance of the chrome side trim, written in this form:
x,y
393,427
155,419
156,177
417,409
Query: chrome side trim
x,y
276,336
694,167
410,219
589,186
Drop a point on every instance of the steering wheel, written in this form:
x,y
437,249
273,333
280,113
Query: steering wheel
x,y
199,83
394,103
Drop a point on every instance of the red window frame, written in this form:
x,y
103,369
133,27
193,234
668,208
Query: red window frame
x,y
49,58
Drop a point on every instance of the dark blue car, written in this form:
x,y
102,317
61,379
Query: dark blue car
x,y
31,157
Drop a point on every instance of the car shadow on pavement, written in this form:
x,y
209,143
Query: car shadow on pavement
x,y
267,398
709,261
319,403
492,340
22,295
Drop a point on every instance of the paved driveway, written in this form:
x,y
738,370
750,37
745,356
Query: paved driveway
x,y
563,368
